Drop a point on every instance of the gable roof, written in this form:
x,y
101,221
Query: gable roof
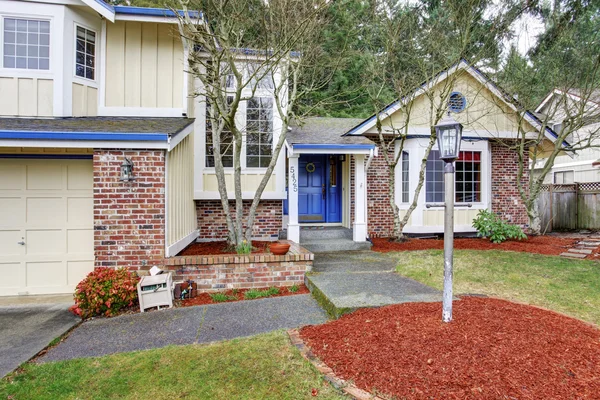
x,y
477,74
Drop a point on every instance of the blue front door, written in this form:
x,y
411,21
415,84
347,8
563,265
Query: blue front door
x,y
311,188
319,189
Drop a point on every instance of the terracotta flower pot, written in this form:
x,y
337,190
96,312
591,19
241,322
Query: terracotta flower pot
x,y
279,249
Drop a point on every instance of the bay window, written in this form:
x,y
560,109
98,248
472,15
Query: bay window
x,y
26,44
259,132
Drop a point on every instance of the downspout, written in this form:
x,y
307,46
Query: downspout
x,y
372,154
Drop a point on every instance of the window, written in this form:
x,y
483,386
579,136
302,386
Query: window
x,y
434,178
467,178
564,177
226,142
266,79
405,175
457,102
85,53
259,132
26,44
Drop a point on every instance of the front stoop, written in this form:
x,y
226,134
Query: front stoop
x,y
348,387
346,281
329,239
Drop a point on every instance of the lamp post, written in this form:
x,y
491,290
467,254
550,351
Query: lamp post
x,y
449,133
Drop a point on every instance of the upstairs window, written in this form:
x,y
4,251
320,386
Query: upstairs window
x,y
85,54
259,132
26,44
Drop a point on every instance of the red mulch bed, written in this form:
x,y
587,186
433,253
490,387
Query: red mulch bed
x,y
204,298
493,349
212,248
549,245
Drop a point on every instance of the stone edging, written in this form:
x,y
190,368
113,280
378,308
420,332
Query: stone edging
x,y
345,386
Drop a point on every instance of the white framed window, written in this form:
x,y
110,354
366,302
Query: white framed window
x,y
85,53
405,176
467,178
564,177
259,132
226,142
26,44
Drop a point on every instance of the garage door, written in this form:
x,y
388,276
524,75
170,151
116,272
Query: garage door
x,y
46,225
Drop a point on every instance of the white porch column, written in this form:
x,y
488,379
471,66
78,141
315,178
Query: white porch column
x,y
359,233
293,229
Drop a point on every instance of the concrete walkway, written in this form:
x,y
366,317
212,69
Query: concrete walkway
x,y
179,326
28,325
343,282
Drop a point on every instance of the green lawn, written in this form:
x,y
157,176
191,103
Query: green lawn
x,y
262,367
564,285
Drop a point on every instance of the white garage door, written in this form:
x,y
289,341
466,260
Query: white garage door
x,y
46,225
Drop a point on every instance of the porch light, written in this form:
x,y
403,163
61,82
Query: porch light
x,y
127,171
449,134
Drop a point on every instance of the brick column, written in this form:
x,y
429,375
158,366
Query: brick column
x,y
129,217
506,201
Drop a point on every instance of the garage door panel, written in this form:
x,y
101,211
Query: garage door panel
x,y
45,176
46,274
77,270
47,203
78,211
47,241
12,212
9,245
12,177
46,211
80,241
10,274
80,176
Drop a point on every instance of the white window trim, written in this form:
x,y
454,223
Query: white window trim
x,y
24,72
81,79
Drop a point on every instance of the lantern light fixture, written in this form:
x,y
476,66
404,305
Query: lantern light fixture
x,y
127,171
449,134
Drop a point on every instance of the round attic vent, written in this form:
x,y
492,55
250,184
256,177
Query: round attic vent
x,y
457,102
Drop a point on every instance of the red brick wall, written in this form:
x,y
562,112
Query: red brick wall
x,y
506,201
129,218
381,217
212,225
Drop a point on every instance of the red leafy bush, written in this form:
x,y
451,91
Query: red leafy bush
x,y
105,291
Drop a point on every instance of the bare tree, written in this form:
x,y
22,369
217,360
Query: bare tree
x,y
240,49
417,45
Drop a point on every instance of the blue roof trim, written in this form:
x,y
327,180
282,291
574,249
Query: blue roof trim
x,y
306,146
104,4
155,12
105,136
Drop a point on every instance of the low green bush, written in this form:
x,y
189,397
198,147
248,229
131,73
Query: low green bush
x,y
221,297
105,291
489,225
255,293
294,288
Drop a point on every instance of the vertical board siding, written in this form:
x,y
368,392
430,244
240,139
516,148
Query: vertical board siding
x,y
27,97
85,101
181,210
144,65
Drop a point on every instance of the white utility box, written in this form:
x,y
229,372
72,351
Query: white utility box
x,y
155,291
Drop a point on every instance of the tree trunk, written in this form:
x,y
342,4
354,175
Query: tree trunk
x,y
535,220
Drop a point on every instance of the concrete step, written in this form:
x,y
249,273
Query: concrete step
x,y
330,245
320,233
573,255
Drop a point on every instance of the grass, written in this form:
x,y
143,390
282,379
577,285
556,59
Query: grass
x,y
262,367
556,283
221,297
255,293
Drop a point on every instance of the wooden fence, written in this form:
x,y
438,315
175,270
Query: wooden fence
x,y
570,206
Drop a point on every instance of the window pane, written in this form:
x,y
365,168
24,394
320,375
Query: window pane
x,y
32,38
89,73
44,63
252,161
9,49
22,25
32,51
80,46
45,39
10,24
90,48
9,37
80,33
21,38
32,63
226,139
9,62
44,27
21,62
33,26
44,51
79,70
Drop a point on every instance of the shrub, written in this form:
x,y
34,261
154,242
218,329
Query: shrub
x,y
294,288
221,297
244,248
105,291
489,225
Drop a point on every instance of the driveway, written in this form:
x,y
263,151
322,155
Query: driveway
x,y
26,329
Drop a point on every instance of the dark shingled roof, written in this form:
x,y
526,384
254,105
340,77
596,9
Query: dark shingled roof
x,y
169,126
326,131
